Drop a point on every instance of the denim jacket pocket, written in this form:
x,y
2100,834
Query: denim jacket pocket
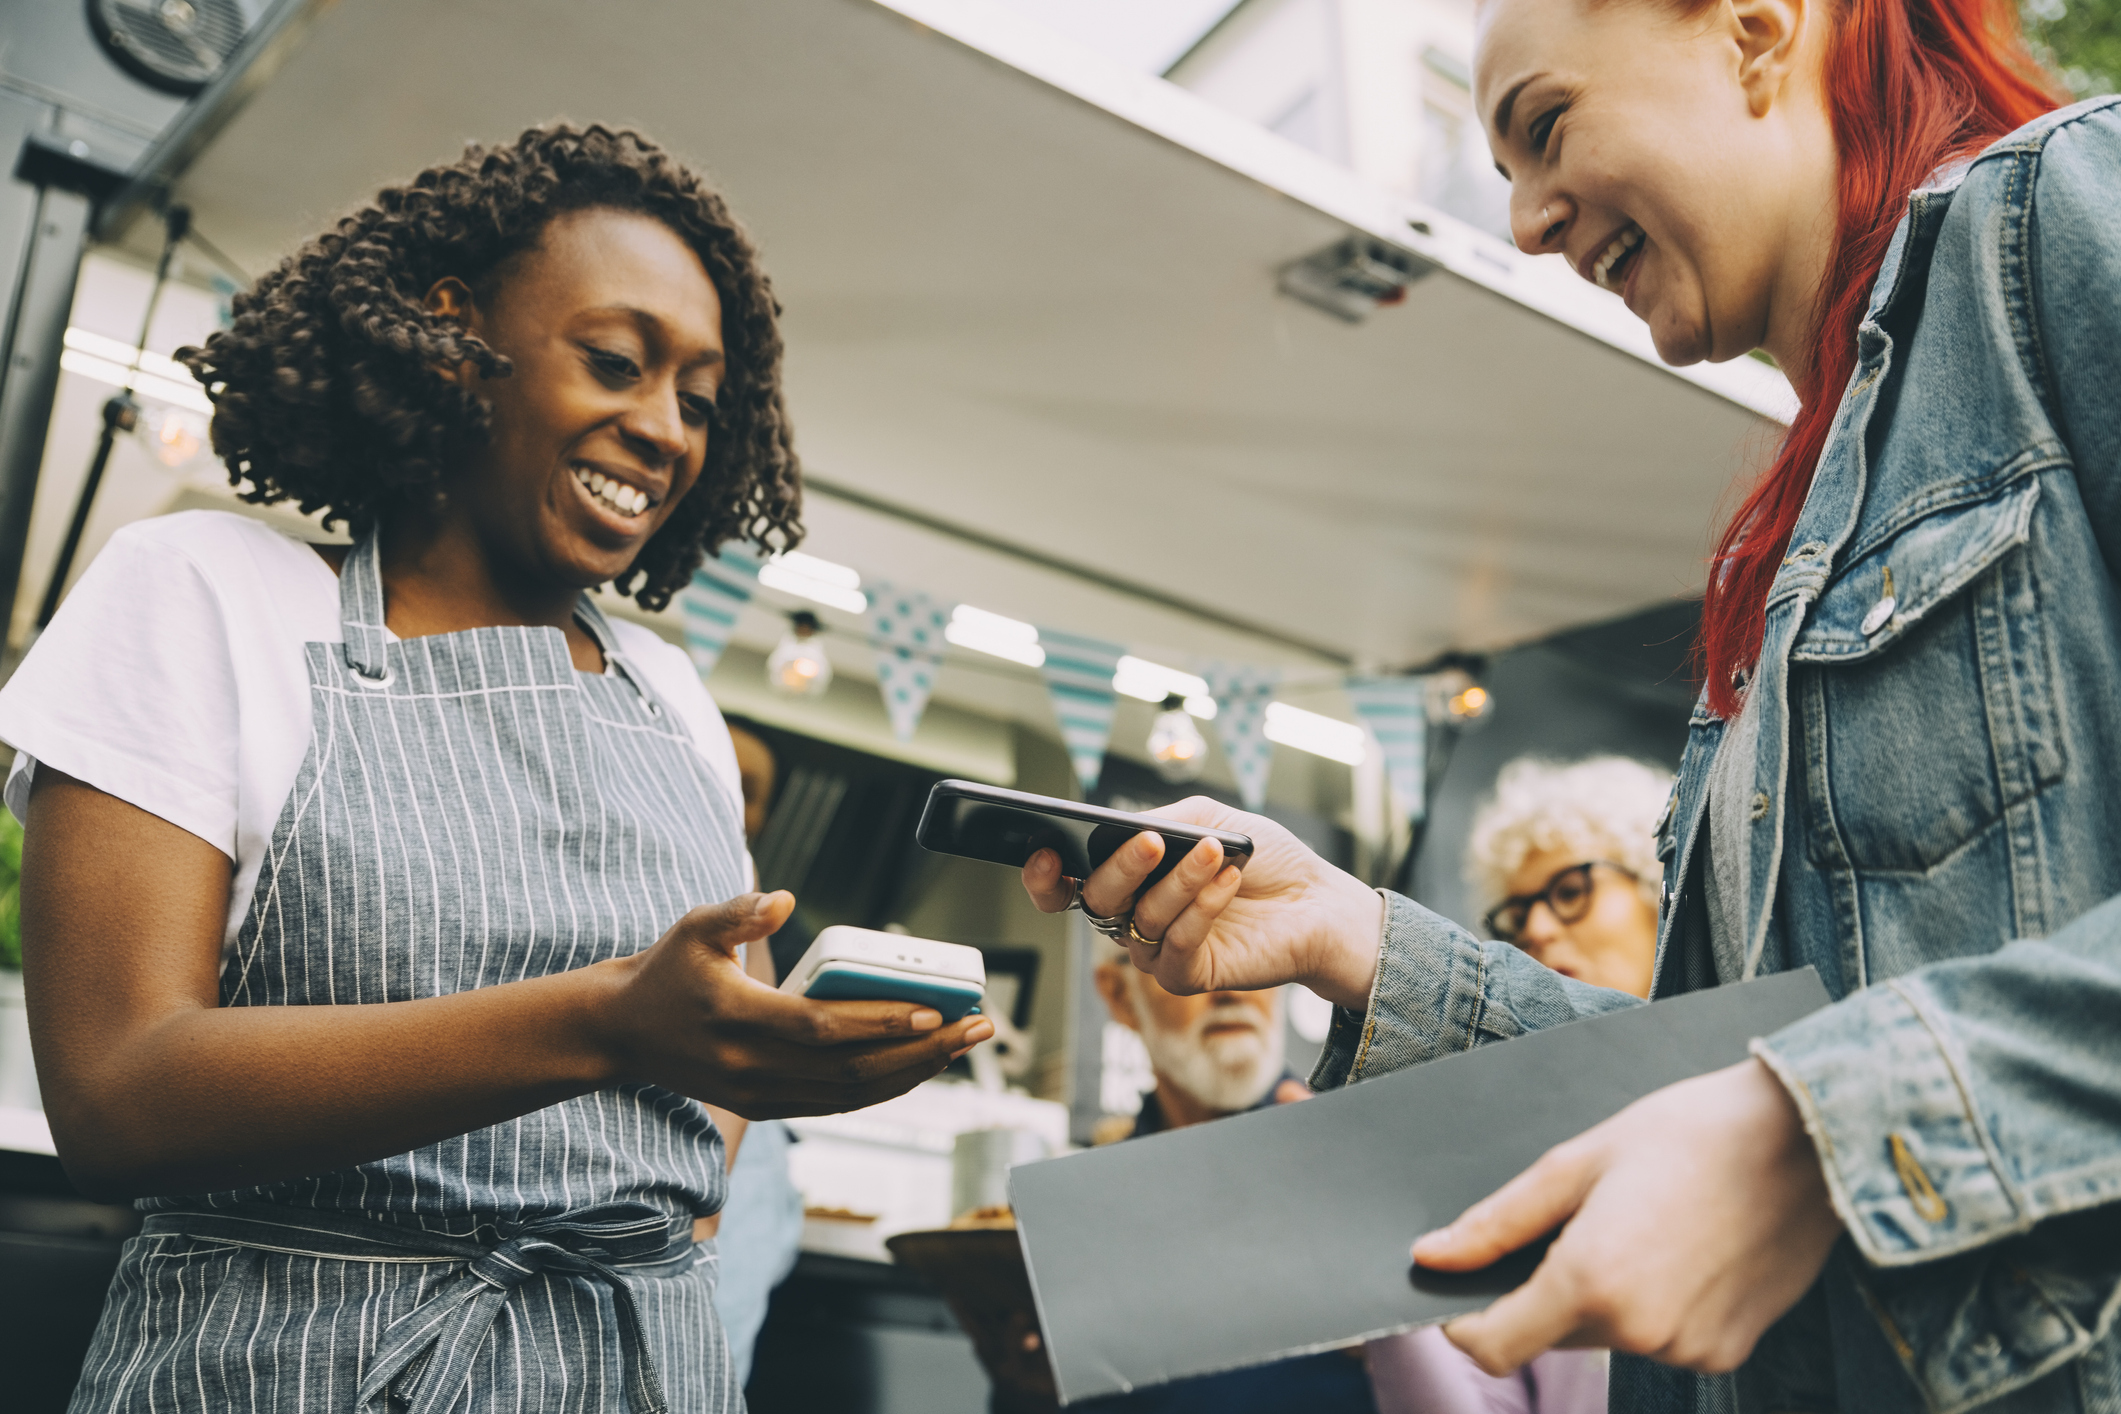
x,y
1923,675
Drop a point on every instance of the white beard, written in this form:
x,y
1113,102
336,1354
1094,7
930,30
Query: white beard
x,y
1228,1072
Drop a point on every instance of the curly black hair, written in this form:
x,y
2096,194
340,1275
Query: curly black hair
x,y
326,390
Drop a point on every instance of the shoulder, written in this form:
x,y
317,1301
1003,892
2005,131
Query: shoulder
x,y
2070,157
222,548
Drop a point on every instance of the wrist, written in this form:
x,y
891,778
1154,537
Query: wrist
x,y
1346,952
601,1037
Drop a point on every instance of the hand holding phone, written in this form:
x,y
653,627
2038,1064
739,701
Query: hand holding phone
x,y
1008,827
1287,916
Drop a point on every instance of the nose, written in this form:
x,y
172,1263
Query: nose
x,y
654,425
1541,927
1539,218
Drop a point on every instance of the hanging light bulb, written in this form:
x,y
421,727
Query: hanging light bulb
x,y
1456,700
1470,705
175,435
1175,744
798,665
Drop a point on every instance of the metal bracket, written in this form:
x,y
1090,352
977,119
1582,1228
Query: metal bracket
x,y
1352,277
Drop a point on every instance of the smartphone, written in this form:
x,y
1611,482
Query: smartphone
x,y
1009,826
858,965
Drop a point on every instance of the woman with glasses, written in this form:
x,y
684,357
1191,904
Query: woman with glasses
x,y
1901,770
1570,852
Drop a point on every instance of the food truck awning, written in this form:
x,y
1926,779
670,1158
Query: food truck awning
x,y
1032,296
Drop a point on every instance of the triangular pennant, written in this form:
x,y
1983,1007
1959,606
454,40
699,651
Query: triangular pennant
x,y
906,629
1241,696
720,588
1396,711
1078,673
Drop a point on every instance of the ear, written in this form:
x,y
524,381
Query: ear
x,y
450,298
1119,997
1772,40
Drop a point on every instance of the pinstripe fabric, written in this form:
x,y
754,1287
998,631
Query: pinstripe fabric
x,y
473,811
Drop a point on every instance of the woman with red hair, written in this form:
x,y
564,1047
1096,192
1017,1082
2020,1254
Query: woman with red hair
x,y
1902,769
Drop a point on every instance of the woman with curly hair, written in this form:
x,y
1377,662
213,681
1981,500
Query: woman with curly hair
x,y
346,867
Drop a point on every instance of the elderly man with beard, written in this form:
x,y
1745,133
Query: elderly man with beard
x,y
1217,1054
1214,1054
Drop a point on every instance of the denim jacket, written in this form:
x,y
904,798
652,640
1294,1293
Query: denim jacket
x,y
1935,825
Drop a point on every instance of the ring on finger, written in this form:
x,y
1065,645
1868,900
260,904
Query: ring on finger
x,y
1113,927
1134,935
1075,897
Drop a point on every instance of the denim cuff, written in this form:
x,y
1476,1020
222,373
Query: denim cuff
x,y
1440,990
1913,1172
1423,1001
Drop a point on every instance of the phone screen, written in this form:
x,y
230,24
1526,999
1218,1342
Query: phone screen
x,y
1009,834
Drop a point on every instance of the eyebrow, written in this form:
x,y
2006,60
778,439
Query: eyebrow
x,y
651,318
1509,101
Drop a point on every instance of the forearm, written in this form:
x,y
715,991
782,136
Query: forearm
x,y
211,1098
1438,990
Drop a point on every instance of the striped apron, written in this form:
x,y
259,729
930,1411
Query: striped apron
x,y
473,811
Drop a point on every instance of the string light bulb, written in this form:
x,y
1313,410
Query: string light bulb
x,y
175,435
1175,744
1456,700
1470,705
798,665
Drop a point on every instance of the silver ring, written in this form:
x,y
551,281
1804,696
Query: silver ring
x,y
1075,898
1114,927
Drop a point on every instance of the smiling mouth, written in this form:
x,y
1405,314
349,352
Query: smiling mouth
x,y
613,494
1610,270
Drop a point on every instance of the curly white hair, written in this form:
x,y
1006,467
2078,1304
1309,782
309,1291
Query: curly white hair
x,y
1603,807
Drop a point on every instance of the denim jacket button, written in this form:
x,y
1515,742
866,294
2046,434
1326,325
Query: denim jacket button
x,y
1880,612
1760,805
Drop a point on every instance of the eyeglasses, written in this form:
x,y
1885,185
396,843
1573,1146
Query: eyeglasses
x,y
1568,894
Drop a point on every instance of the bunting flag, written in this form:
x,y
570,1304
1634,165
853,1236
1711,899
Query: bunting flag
x,y
1078,673
720,588
906,629
1241,694
1397,711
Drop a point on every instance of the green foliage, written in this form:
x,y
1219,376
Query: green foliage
x,y
2079,39
10,891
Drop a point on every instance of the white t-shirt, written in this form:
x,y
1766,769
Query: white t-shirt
x,y
173,678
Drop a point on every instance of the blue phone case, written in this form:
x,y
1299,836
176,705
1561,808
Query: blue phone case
x,y
952,1000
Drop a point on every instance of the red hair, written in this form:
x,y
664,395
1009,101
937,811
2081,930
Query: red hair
x,y
1910,85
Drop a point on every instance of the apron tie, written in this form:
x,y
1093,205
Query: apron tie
x,y
424,1357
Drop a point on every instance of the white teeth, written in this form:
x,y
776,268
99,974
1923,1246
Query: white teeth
x,y
1623,243
612,492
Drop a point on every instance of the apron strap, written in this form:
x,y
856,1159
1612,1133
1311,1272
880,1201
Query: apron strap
x,y
361,611
423,1359
592,618
368,642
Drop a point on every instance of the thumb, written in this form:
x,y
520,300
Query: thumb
x,y
747,918
1527,1208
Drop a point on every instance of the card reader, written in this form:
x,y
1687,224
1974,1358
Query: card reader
x,y
859,965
